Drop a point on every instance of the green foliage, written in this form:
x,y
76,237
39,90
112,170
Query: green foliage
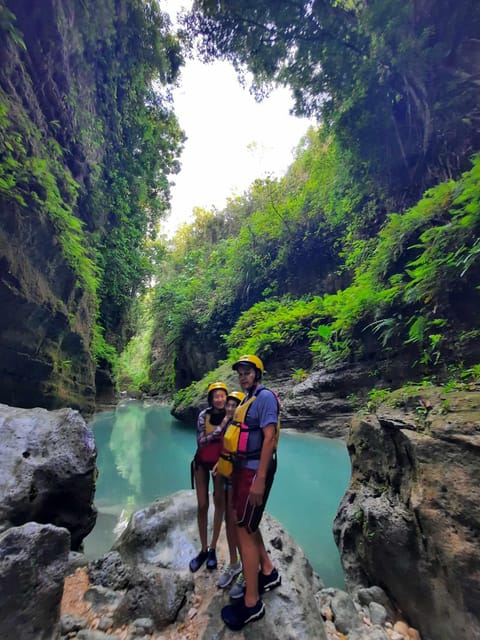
x,y
43,182
375,398
299,375
401,289
281,236
393,82
327,346
87,147
101,350
134,361
269,324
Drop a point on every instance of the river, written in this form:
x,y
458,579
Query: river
x,y
145,454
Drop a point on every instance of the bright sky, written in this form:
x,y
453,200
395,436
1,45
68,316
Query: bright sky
x,y
231,139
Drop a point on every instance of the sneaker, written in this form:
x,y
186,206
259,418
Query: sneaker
x,y
238,589
237,616
211,559
229,574
267,583
197,562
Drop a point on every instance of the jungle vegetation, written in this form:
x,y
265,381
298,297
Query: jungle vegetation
x,y
369,243
88,140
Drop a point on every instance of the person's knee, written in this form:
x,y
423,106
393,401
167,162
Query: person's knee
x,y
203,505
218,501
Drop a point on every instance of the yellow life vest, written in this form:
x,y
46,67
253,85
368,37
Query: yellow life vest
x,y
209,427
235,438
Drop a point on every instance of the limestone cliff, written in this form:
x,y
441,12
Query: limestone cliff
x,y
86,147
410,519
47,311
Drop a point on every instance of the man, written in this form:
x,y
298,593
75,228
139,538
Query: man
x,y
251,483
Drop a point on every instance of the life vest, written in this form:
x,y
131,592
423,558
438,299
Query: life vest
x,y
210,452
209,427
235,438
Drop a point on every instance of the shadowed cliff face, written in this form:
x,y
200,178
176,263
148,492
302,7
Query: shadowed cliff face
x,y
45,322
47,316
410,520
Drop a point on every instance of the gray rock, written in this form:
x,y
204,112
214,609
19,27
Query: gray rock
x,y
144,623
105,623
47,470
110,571
154,593
69,623
165,535
367,595
102,598
75,561
414,486
368,633
378,613
87,634
345,615
33,560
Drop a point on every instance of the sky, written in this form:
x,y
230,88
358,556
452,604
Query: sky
x,y
231,139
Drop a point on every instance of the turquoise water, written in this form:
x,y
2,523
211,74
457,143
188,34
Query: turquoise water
x,y
145,454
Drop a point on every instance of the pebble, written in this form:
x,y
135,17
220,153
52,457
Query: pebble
x,y
145,624
105,623
401,628
192,612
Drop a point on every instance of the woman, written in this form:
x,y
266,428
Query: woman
x,y
210,426
232,570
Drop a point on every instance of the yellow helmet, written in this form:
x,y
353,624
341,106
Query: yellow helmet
x,y
217,385
252,361
236,395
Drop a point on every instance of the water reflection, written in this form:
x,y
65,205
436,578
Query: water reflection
x,y
126,445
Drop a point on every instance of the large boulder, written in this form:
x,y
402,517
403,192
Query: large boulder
x,y
152,555
47,470
324,401
410,519
33,562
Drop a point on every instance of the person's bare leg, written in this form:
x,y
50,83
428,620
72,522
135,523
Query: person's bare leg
x,y
250,553
201,484
231,528
266,563
219,502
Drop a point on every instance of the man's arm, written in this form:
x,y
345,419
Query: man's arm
x,y
268,446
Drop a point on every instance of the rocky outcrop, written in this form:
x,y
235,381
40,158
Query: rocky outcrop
x,y
46,327
33,562
324,402
410,520
161,539
143,586
47,470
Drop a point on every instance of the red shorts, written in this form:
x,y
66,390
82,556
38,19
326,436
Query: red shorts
x,y
249,515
